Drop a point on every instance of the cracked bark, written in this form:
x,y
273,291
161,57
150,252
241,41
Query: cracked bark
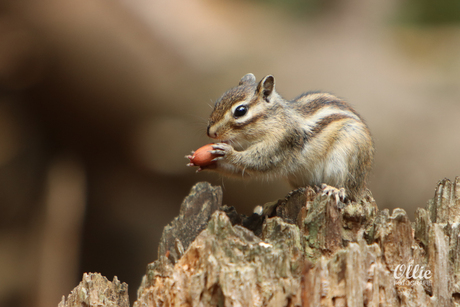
x,y
304,250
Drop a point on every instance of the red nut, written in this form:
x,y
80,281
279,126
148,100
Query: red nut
x,y
202,156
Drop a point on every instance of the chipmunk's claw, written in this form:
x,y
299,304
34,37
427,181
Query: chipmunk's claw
x,y
338,194
190,157
217,152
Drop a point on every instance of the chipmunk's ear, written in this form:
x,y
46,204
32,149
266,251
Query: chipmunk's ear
x,y
247,79
266,87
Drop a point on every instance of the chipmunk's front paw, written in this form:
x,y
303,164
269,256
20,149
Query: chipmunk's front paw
x,y
222,151
338,194
202,158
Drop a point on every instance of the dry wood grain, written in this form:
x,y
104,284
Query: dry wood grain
x,y
306,250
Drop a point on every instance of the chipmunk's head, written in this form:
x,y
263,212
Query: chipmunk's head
x,y
237,113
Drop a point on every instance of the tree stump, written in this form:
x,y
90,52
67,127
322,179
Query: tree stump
x,y
304,250
96,290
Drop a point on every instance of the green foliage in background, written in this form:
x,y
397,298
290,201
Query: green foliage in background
x,y
302,7
420,12
430,12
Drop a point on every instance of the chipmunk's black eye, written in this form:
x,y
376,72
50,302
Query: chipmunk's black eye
x,y
240,111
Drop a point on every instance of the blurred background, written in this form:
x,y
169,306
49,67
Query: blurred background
x,y
101,100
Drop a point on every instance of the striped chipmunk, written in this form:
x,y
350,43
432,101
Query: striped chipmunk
x,y
316,139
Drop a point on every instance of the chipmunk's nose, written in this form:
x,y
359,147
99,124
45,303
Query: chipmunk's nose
x,y
211,132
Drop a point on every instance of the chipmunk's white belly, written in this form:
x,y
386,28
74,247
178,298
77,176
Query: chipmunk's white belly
x,y
331,170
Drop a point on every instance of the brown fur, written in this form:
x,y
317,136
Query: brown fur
x,y
316,138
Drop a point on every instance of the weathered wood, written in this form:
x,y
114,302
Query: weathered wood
x,y
306,250
95,291
194,214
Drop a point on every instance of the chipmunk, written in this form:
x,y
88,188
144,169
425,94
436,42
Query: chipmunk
x,y
316,139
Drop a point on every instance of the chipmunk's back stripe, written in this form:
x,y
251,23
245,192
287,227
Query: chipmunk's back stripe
x,y
324,122
313,102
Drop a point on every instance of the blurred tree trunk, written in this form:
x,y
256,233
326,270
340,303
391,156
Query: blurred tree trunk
x,y
304,250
